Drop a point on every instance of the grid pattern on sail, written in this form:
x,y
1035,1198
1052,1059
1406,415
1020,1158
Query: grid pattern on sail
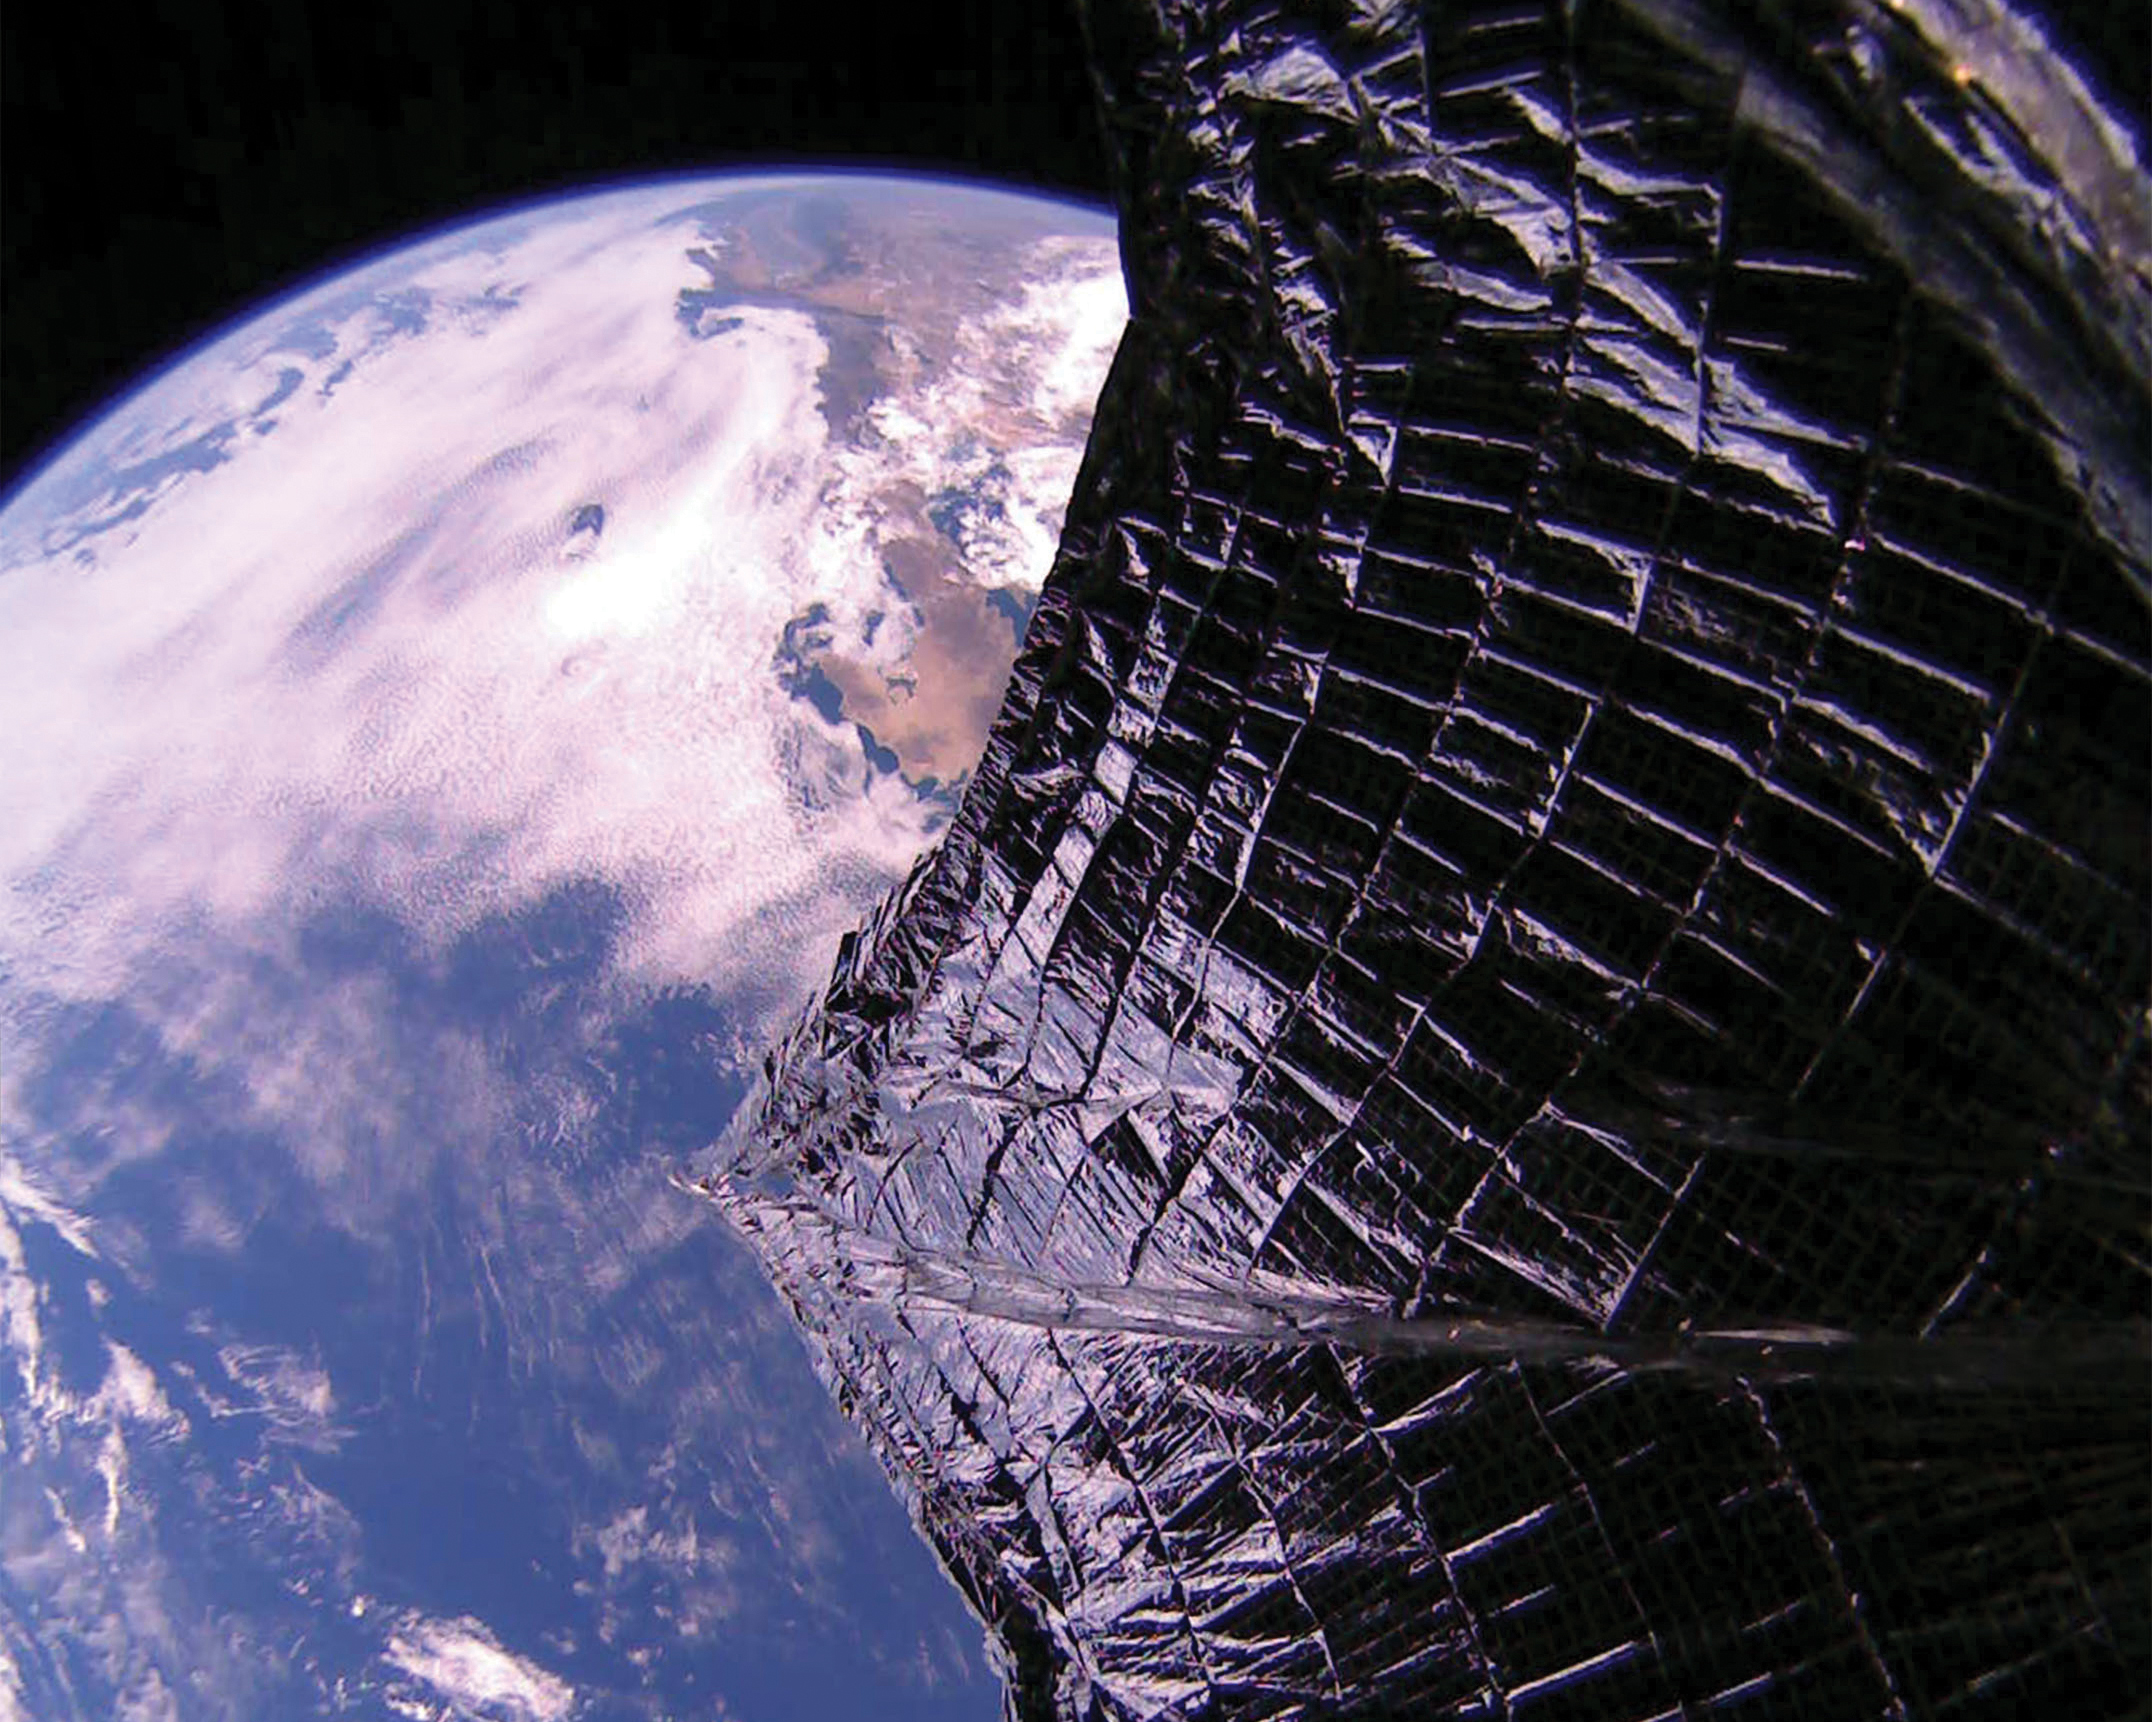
x,y
1581,766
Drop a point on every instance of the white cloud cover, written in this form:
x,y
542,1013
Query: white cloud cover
x,y
465,1665
1005,420
12,1704
487,722
129,1391
360,653
363,660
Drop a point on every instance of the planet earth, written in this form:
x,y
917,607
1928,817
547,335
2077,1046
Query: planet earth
x,y
447,720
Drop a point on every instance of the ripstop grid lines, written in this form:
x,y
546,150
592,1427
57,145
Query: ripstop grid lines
x,y
1579,773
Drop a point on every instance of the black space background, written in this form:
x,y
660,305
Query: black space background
x,y
165,163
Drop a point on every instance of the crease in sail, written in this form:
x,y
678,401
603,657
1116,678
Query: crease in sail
x,y
1522,1079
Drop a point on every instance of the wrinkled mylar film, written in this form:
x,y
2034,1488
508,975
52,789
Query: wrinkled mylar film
x,y
1522,1088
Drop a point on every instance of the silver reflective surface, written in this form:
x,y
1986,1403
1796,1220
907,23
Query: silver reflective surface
x,y
1522,1087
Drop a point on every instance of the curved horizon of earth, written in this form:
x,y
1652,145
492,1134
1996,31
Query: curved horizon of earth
x,y
452,714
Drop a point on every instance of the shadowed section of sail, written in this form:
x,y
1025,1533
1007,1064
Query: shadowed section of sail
x,y
1522,1088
